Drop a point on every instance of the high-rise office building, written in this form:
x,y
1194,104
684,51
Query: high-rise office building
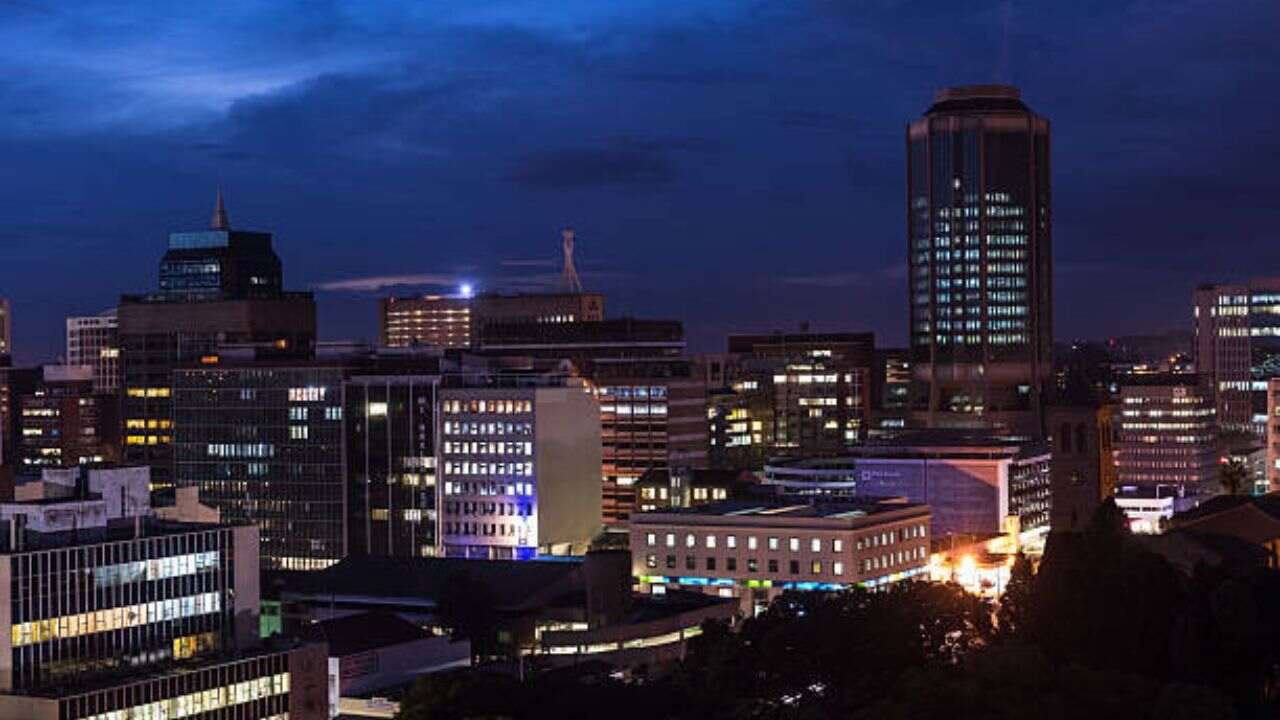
x,y
652,398
328,457
979,244
6,327
1166,434
391,431
93,341
1237,345
520,468
218,287
793,393
116,613
264,445
456,321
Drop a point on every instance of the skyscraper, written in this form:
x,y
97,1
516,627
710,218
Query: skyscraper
x,y
217,287
979,249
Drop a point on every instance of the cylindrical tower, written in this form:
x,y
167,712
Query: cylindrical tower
x,y
979,251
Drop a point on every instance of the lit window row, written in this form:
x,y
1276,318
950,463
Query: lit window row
x,y
156,569
472,467
99,621
453,407
205,701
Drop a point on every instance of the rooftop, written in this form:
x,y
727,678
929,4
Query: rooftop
x,y
782,508
978,99
365,631
425,579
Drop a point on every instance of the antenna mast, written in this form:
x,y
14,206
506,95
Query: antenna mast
x,y
570,277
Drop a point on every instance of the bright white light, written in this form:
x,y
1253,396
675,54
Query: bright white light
x,y
466,290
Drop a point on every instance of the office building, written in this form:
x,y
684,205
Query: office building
x,y
754,549
1237,346
66,422
891,379
392,428
263,444
974,484
979,243
440,320
456,321
1166,434
328,457
93,340
15,382
6,327
520,468
663,489
118,614
221,262
652,416
652,398
792,394
1272,438
217,287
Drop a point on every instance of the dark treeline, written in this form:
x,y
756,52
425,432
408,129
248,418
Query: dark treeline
x,y
1106,628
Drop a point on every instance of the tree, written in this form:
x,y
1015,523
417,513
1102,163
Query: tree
x,y
1234,476
1013,617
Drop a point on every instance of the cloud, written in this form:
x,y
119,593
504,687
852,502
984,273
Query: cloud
x,y
529,263
616,165
380,282
876,278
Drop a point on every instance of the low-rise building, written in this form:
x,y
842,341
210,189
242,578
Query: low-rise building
x,y
550,612
377,650
117,613
1149,510
754,549
973,484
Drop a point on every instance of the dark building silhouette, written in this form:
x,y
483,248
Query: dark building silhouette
x,y
218,287
979,244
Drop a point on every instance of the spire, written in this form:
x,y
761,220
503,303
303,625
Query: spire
x,y
219,221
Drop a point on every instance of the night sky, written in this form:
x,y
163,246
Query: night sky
x,y
736,165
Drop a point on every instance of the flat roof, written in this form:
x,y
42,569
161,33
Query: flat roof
x,y
422,580
784,507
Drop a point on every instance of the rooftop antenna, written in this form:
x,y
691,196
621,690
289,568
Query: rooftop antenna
x,y
570,277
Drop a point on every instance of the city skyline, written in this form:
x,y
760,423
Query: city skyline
x,y
355,136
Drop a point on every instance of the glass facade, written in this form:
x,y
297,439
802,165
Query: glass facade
x,y
220,263
255,688
105,608
391,465
979,249
264,445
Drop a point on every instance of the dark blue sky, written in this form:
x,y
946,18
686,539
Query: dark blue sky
x,y
737,165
